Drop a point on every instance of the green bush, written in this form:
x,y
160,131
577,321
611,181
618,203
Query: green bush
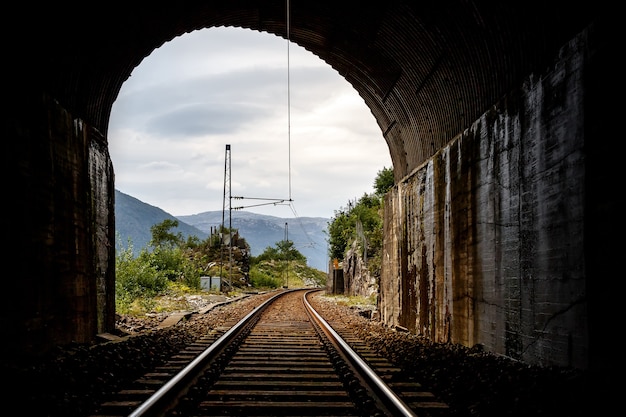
x,y
172,265
168,260
361,222
191,274
260,279
135,279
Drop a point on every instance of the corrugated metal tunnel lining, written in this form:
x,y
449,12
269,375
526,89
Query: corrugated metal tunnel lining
x,y
426,71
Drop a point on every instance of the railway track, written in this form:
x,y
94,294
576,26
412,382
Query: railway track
x,y
282,359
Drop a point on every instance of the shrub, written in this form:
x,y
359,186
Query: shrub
x,y
135,279
260,279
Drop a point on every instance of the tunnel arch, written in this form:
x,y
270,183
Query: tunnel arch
x,y
428,73
425,71
279,106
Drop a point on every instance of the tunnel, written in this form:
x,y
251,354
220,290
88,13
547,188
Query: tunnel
x,y
498,231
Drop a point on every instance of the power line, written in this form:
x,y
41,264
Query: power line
x,y
270,201
288,24
277,201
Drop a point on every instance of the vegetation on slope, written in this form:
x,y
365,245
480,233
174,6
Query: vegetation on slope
x,y
361,223
172,267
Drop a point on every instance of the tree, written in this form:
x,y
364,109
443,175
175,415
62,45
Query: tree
x,y
361,221
284,250
338,233
384,181
289,252
161,235
283,264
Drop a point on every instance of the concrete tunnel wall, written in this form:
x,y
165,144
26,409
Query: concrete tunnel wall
x,y
60,182
65,290
484,243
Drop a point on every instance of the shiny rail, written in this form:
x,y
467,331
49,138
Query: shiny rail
x,y
365,381
176,386
375,385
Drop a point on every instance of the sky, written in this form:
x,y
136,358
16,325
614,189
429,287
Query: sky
x,y
302,141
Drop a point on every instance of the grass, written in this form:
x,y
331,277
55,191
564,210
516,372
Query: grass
x,y
353,301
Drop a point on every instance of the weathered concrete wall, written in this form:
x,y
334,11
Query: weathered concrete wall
x,y
357,279
484,242
61,214
101,178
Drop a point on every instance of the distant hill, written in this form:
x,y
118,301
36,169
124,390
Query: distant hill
x,y
133,219
260,231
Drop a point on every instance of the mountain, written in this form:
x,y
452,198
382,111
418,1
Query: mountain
x,y
308,234
133,219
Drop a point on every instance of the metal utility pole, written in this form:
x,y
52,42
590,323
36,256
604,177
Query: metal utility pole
x,y
287,253
226,205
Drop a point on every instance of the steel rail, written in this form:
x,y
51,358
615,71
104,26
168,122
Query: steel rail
x,y
175,387
383,391
178,383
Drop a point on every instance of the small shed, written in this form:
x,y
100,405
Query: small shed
x,y
211,283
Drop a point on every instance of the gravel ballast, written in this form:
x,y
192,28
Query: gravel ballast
x,y
75,379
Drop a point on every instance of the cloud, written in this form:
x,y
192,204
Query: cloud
x,y
200,119
297,130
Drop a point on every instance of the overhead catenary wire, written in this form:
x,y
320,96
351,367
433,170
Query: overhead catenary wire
x,y
288,29
289,200
228,197
288,35
275,201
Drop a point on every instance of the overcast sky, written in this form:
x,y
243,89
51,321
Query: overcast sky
x,y
297,130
